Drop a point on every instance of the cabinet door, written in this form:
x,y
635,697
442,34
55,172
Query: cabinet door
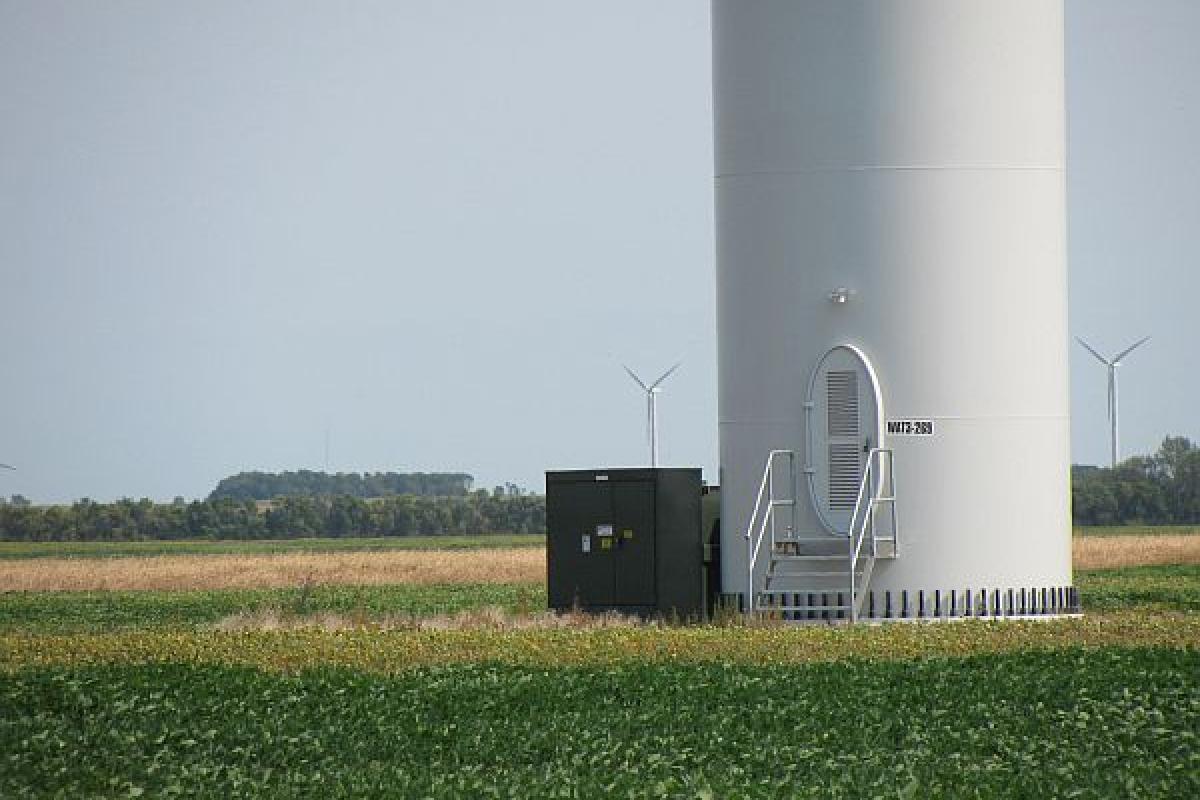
x,y
633,519
582,568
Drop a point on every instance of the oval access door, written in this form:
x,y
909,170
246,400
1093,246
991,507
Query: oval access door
x,y
844,421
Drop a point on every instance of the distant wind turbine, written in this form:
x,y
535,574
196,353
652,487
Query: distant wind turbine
x,y
1113,398
652,391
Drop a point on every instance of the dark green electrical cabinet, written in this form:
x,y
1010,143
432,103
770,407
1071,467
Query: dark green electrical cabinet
x,y
629,540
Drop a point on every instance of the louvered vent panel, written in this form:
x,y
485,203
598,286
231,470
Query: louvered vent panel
x,y
844,476
845,466
842,394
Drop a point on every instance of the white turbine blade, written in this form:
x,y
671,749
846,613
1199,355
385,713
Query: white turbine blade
x,y
1129,350
1092,350
666,375
636,379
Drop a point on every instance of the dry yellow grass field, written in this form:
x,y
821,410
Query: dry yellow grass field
x,y
508,565
501,565
1107,552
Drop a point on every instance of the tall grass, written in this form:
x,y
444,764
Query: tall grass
x,y
476,566
1113,552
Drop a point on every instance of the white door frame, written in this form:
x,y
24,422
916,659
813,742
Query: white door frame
x,y
810,471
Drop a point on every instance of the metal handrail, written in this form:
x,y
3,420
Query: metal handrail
x,y
870,494
757,529
878,485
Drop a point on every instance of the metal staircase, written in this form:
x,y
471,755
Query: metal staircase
x,y
817,577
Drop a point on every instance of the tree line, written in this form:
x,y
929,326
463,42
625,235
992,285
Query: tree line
x,y
500,511
1160,489
308,483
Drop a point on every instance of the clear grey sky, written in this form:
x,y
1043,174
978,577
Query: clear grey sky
x,y
435,228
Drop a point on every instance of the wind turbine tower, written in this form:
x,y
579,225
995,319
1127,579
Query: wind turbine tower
x,y
652,391
1113,399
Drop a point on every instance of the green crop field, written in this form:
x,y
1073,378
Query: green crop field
x,y
1137,530
83,612
1106,723
1174,587
17,550
144,693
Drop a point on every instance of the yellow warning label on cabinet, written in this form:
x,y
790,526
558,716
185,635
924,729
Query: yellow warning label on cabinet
x,y
626,534
606,544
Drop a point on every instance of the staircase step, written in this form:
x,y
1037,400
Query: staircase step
x,y
826,538
789,557
808,588
808,569
829,549
796,587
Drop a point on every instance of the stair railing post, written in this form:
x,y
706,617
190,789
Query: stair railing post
x,y
871,508
771,498
854,552
750,574
755,530
793,493
895,512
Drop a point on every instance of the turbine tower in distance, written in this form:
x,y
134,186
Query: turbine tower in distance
x,y
652,391
1113,400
